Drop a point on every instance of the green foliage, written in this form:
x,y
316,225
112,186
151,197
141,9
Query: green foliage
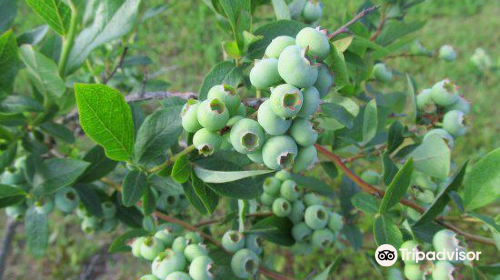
x,y
398,187
54,12
8,63
10,195
482,184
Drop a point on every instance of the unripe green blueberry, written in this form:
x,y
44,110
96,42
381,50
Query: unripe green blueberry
x,y
281,207
12,178
272,186
335,222
90,224
316,217
212,114
178,276
453,122
256,157
151,247
381,73
66,200
461,105
44,206
301,232
311,102
247,136
265,74
193,237
306,158
254,243
228,95
425,102
272,123
409,246
325,80
444,93
232,121
277,45
180,243
166,236
233,241
170,201
446,240
16,212
447,53
289,190
417,48
297,213
189,116
167,262
303,132
425,196
149,277
283,175
266,199
202,268
286,101
315,40
313,11
302,248
109,225
136,246
414,272
195,250
322,238
481,59
311,199
372,177
207,142
441,133
297,68
443,270
245,263
242,110
279,152
108,209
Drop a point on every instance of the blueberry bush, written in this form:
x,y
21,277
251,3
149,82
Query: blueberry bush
x,y
276,152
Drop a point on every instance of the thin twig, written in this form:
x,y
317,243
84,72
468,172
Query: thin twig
x,y
380,26
10,230
345,28
105,79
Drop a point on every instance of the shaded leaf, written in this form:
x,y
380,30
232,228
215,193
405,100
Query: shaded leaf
x,y
432,157
8,63
36,231
120,244
274,229
213,176
181,171
56,173
281,9
225,72
370,121
99,166
385,231
134,186
247,188
365,202
395,136
59,131
10,195
338,113
206,195
7,14
398,187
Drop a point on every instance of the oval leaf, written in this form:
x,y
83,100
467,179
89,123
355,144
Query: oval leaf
x,y
10,195
217,177
134,185
398,187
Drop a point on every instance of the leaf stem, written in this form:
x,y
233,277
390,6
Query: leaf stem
x,y
345,28
172,159
69,40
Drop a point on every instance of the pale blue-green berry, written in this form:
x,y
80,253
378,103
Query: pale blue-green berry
x,y
247,136
283,175
256,157
267,199
265,74
411,246
313,11
232,121
212,114
233,241
297,68
254,243
108,209
461,105
286,101
44,206
303,132
425,102
281,207
180,243
189,116
453,122
447,53
335,222
311,102
297,213
109,225
372,177
322,238
306,158
195,250
193,237
414,272
279,152
90,224
441,133
16,212
289,190
445,93
311,199
301,232
207,142
443,270
325,80
170,201
149,277
228,95
202,268
277,45
381,73
272,186
245,263
272,123
446,240
168,262
66,199
151,247
315,40
166,236
417,48
178,276
481,59
424,196
242,110
316,217
136,246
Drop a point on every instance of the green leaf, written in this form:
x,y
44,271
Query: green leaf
x,y
156,135
432,157
8,63
20,104
296,7
56,173
482,185
398,187
148,202
59,131
390,169
7,14
42,72
90,196
313,184
338,113
193,198
488,221
217,177
281,9
370,121
343,44
247,188
442,199
365,202
225,72
410,108
134,186
223,262
120,244
33,36
36,231
114,20
395,29
106,118
206,195
274,229
336,62
324,275
10,195
130,216
7,156
54,12
385,231
181,171
99,166
395,136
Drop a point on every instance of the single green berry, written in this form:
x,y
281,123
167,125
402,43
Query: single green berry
x,y
254,243
233,241
108,209
446,240
286,101
301,232
424,196
233,120
322,238
272,186
279,152
445,93
422,180
441,133
212,114
381,73
245,263
202,268
109,225
180,243
151,247
272,123
256,157
207,142
66,200
281,207
189,116
316,217
411,246
481,59
289,190
315,40
325,80
228,95
417,48
414,272
178,276
265,73
44,206
447,53
266,199
453,123
17,211
372,177
283,175
277,45
443,270
242,110
166,236
461,105
195,250
297,213
136,246
226,143
193,237
335,222
311,199
425,102
149,277
303,132
247,136
311,102
167,262
90,224
313,11
297,67
306,158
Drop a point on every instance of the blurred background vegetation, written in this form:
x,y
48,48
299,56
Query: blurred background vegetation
x,y
184,42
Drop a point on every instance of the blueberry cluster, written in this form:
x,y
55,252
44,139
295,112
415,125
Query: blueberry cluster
x,y
246,249
313,223
172,203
